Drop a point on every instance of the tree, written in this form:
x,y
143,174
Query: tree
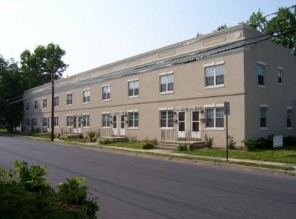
x,y
37,67
25,193
222,27
282,27
10,88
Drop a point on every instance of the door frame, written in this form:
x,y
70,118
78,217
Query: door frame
x,y
181,134
195,134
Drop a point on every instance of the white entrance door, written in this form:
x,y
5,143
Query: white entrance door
x,y
181,125
195,124
75,124
122,125
114,125
48,124
79,124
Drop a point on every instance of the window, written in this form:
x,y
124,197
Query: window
x,y
106,92
69,99
56,121
215,117
133,119
289,118
166,119
69,121
27,106
56,101
44,103
214,75
86,96
261,74
35,104
85,121
280,76
44,123
27,122
34,122
133,88
166,83
106,120
263,117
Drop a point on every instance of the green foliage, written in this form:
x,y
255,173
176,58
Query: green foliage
x,y
25,193
91,135
281,26
208,141
289,141
231,142
148,145
182,147
250,144
107,141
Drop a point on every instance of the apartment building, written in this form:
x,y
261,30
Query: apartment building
x,y
178,92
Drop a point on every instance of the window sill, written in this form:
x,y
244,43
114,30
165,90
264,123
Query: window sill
x,y
133,128
280,84
107,100
85,127
106,127
215,129
85,102
215,86
289,128
166,128
131,97
166,92
261,86
263,128
69,104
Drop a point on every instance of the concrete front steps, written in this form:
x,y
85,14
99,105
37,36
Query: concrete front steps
x,y
173,145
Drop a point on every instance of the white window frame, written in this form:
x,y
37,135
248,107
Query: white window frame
x,y
280,74
69,120
216,115
133,119
56,121
166,79
86,120
35,122
289,120
168,118
27,106
69,100
261,71
86,96
35,104
44,121
56,101
215,66
263,115
106,120
44,103
133,88
106,92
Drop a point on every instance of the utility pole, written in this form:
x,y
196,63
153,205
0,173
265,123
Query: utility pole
x,y
52,97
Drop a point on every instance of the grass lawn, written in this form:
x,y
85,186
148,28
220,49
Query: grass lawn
x,y
287,155
3,131
129,144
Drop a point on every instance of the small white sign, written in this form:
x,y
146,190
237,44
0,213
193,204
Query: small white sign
x,y
277,141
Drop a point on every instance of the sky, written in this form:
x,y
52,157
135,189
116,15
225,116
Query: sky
x,y
98,32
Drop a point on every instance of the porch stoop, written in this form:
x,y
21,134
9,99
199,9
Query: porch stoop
x,y
173,145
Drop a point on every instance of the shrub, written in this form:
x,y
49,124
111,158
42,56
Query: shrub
x,y
289,141
182,147
208,141
148,145
25,193
191,147
250,144
91,134
107,141
231,142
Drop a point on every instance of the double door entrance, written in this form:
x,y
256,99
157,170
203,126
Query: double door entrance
x,y
194,130
118,125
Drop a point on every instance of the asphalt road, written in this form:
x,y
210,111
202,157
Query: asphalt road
x,y
135,186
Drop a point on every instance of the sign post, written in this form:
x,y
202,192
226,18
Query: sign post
x,y
226,113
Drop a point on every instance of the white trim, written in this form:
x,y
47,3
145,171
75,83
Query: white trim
x,y
213,105
166,73
133,128
261,63
214,86
167,92
134,79
289,128
166,108
136,96
85,89
85,114
214,129
166,128
281,68
289,108
69,115
263,128
264,105
132,111
214,63
262,86
69,93
106,85
105,112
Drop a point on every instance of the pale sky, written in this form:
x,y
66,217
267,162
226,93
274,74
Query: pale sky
x,y
98,32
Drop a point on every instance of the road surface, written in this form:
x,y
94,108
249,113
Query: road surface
x,y
136,186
